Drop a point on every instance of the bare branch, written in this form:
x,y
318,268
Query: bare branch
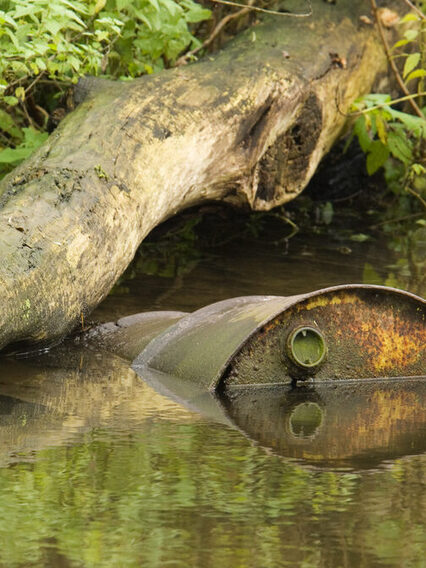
x,y
223,22
394,68
415,9
266,11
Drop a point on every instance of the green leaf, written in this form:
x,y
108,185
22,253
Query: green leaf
x,y
378,153
381,128
75,6
139,14
375,99
359,238
11,101
12,37
416,74
8,125
20,68
32,140
400,43
418,169
53,26
5,18
40,62
410,17
155,4
100,5
123,4
14,155
410,63
400,147
360,131
414,124
411,34
327,213
20,93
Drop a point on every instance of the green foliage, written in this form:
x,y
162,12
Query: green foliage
x,y
395,139
383,132
408,271
54,42
11,157
154,33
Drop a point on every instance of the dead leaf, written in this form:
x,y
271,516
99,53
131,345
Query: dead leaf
x,y
366,20
388,17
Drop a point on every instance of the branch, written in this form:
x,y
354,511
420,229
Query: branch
x,y
394,68
382,105
266,11
216,31
415,9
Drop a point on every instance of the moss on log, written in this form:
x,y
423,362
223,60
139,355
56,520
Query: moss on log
x,y
247,125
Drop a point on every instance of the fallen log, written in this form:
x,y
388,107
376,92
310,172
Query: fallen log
x,y
247,125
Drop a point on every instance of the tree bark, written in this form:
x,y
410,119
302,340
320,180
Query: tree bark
x,y
247,125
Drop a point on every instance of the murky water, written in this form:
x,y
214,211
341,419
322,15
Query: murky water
x,y
97,468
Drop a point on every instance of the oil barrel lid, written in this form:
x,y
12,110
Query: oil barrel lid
x,y
306,347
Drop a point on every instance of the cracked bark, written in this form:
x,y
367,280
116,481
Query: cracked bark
x,y
248,126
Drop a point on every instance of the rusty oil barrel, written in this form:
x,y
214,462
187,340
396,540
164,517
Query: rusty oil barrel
x,y
351,332
334,378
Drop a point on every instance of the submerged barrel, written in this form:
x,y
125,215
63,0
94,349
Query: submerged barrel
x,y
353,332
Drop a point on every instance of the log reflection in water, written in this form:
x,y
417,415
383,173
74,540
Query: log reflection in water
x,y
55,398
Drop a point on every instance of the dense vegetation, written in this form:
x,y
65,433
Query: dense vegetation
x,y
46,45
395,139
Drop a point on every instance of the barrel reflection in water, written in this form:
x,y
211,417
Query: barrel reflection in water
x,y
334,426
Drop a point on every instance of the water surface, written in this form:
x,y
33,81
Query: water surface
x,y
97,468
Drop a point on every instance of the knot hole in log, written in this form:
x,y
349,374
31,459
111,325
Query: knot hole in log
x,y
286,162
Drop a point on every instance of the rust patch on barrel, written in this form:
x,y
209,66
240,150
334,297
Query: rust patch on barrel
x,y
394,342
323,301
368,334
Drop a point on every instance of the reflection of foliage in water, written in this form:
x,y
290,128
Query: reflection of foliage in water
x,y
409,269
167,496
172,255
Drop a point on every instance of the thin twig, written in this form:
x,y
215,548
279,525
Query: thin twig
x,y
394,68
385,104
266,11
184,59
417,10
245,9
36,80
43,111
351,196
30,120
293,225
397,220
415,194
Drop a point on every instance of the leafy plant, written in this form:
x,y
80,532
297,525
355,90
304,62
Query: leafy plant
x,y
46,45
383,131
396,139
11,157
154,33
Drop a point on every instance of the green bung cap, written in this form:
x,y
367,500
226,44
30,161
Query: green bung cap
x,y
306,347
